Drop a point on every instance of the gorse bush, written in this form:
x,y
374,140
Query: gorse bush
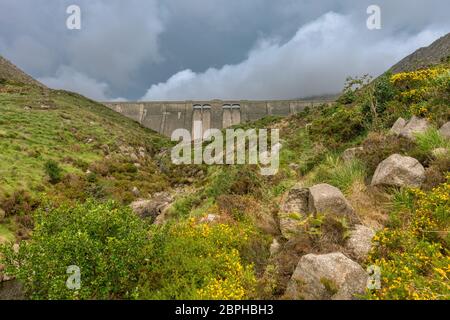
x,y
191,260
413,251
104,240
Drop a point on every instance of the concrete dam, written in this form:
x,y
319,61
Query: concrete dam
x,y
165,117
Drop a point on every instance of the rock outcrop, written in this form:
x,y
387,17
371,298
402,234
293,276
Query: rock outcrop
x,y
327,199
359,242
411,128
399,171
425,57
327,276
154,207
445,130
294,209
351,153
398,126
301,202
440,152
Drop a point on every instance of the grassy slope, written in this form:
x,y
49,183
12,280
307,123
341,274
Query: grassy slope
x,y
237,194
101,153
74,131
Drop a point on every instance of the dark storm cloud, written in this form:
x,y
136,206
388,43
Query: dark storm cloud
x,y
181,49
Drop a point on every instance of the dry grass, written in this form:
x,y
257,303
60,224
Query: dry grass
x,y
371,204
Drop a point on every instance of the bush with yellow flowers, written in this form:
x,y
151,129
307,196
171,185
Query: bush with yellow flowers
x,y
193,260
413,252
419,109
418,85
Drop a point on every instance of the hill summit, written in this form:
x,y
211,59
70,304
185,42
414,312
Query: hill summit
x,y
425,57
9,72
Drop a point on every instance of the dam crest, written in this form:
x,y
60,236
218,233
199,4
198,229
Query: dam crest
x,y
165,117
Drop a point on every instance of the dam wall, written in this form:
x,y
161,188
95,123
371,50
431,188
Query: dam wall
x,y
165,117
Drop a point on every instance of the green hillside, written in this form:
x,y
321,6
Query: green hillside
x,y
69,167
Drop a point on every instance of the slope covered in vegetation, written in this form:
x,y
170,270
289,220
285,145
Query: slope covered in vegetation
x,y
218,242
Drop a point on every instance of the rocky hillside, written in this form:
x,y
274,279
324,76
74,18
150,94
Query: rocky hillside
x,y
359,208
9,72
436,53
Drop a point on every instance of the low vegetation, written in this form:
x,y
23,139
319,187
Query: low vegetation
x,y
215,245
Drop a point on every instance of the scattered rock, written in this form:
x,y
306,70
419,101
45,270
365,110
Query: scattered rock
x,y
294,208
415,125
142,152
27,108
136,192
45,107
275,247
328,276
296,200
105,149
350,154
398,126
360,242
326,199
133,157
137,164
210,218
439,152
154,207
399,171
445,130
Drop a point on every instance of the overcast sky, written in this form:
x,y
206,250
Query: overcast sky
x,y
205,49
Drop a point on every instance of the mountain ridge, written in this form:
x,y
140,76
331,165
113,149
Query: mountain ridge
x,y
425,57
10,72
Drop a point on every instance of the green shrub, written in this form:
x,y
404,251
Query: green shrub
x,y
413,251
342,126
104,240
191,260
53,171
239,180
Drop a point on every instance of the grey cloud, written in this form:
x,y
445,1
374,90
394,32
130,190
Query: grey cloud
x,y
127,47
315,61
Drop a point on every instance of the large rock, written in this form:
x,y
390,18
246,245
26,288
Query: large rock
x,y
445,130
415,125
398,126
359,242
440,152
326,199
154,207
328,276
294,209
399,171
351,153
